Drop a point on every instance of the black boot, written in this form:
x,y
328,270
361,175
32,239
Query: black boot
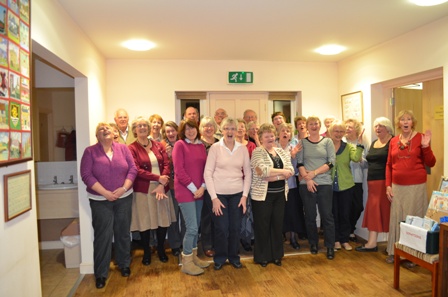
x,y
146,249
161,234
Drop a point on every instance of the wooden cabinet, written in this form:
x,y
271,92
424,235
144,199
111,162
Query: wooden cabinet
x,y
443,261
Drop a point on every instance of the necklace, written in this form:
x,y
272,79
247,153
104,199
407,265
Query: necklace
x,y
144,145
405,145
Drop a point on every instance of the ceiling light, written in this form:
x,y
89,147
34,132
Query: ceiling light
x,y
428,2
138,45
331,49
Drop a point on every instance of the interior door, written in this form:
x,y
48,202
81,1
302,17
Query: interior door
x,y
424,103
235,103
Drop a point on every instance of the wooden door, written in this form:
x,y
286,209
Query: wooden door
x,y
424,104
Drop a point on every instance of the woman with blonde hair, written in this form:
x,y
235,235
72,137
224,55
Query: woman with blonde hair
x,y
108,170
155,127
227,176
343,183
409,153
152,207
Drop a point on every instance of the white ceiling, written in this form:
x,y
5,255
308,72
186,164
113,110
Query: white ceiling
x,y
266,30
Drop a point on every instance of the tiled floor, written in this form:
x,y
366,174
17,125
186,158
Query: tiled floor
x,y
57,281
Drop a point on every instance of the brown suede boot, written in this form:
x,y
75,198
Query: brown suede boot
x,y
188,266
198,262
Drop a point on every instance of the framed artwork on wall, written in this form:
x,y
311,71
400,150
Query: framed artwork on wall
x,y
17,187
15,72
352,106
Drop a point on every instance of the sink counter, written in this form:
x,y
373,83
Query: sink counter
x,y
57,204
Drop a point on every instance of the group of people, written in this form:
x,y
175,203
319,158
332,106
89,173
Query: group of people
x,y
233,181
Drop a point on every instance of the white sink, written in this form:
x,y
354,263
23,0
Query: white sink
x,y
57,187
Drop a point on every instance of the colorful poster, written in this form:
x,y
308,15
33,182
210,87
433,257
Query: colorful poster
x,y
14,116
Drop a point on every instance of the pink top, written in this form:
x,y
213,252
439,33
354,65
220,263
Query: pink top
x,y
225,169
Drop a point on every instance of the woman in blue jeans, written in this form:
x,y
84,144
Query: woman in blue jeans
x,y
189,158
228,176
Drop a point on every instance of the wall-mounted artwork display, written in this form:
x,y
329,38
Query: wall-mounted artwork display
x,y
15,72
352,106
17,194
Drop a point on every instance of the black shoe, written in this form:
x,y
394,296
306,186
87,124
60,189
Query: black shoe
x,y
176,252
330,253
246,246
163,257
125,272
100,282
295,245
237,265
278,262
264,263
364,249
217,266
313,249
146,260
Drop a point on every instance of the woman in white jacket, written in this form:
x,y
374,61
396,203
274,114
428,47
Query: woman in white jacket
x,y
271,167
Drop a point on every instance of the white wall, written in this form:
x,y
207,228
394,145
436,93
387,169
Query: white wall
x,y
59,41
144,87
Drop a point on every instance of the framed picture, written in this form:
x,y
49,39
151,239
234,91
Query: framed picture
x,y
352,106
17,187
15,76
443,186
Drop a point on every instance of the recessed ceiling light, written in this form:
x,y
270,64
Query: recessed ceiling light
x,y
427,2
138,45
330,49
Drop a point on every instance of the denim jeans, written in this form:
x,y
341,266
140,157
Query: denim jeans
x,y
191,212
176,231
227,229
111,219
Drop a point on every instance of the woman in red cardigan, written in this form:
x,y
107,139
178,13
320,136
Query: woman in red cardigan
x,y
409,153
152,207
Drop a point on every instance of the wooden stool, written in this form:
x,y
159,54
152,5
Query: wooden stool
x,y
428,261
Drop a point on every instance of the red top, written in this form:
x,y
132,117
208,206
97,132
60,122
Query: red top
x,y
144,168
407,166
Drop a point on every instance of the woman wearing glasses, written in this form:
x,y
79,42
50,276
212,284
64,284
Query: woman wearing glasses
x,y
152,207
227,176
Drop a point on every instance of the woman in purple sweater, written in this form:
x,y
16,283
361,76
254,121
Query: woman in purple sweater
x,y
189,158
108,170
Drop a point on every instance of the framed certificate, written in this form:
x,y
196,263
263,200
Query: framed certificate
x,y
17,194
352,106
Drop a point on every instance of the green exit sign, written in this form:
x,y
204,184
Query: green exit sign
x,y
240,77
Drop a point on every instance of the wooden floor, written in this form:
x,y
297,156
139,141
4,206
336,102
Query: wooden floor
x,y
350,274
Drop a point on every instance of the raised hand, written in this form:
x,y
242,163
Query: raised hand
x,y
426,138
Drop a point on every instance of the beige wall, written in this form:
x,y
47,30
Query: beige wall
x,y
421,50
62,43
150,85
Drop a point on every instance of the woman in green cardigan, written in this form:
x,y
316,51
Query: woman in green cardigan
x,y
343,183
